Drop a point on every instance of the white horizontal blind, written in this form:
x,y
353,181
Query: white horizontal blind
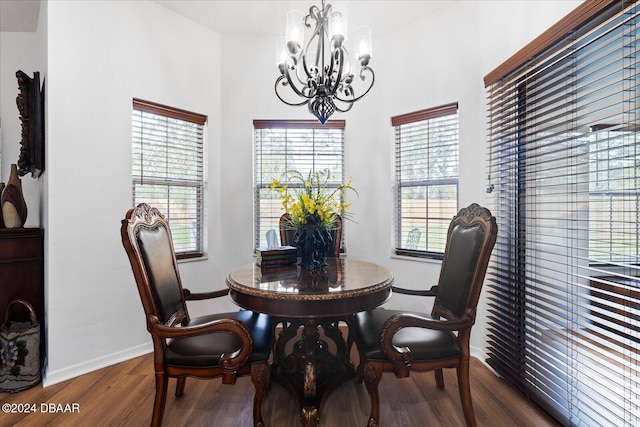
x,y
282,146
427,157
168,170
564,318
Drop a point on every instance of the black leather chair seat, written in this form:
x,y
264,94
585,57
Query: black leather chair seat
x,y
205,350
425,344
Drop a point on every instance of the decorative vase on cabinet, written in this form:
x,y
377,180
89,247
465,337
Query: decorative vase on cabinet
x,y
14,207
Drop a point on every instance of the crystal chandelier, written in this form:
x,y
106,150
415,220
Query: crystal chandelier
x,y
319,74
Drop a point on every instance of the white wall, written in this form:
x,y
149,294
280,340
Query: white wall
x,y
99,55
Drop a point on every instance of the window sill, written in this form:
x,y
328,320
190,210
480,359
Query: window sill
x,y
193,259
393,255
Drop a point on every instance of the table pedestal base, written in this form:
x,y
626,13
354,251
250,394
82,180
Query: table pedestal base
x,y
311,368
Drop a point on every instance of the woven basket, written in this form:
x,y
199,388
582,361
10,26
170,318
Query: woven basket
x,y
19,351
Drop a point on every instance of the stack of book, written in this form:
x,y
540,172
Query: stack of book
x,y
286,276
276,257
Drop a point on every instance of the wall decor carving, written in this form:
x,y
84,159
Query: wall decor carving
x,y
30,103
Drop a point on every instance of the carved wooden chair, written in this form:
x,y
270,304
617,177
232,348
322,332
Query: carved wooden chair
x,y
402,341
287,234
223,345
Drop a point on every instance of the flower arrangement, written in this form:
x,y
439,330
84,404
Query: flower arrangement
x,y
314,200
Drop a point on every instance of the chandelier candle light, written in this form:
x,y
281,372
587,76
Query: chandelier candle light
x,y
319,75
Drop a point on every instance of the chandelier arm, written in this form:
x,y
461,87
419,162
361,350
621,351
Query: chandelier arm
x,y
316,15
286,72
306,71
350,104
299,87
342,60
373,76
279,82
322,32
305,91
319,59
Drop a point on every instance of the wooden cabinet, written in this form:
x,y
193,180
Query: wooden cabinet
x,y
22,273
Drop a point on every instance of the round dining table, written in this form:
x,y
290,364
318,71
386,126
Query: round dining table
x,y
311,356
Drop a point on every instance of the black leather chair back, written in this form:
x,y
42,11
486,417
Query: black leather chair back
x,y
457,270
158,261
469,245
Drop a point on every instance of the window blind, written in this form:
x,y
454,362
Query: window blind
x,y
426,183
564,285
282,146
168,170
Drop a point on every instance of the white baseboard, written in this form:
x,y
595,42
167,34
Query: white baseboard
x,y
480,354
53,377
50,378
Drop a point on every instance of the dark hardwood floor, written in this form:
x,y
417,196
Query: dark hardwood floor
x,y
122,395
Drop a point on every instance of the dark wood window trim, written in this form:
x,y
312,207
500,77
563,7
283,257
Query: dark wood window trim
x,y
426,114
298,124
166,111
576,19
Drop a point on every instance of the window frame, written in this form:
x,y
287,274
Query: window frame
x,y
428,116
264,183
161,111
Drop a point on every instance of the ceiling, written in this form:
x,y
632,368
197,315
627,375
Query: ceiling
x,y
252,17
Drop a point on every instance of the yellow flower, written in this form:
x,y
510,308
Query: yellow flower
x,y
312,197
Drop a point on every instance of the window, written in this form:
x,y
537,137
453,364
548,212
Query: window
x,y
282,146
426,180
168,170
614,194
564,287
